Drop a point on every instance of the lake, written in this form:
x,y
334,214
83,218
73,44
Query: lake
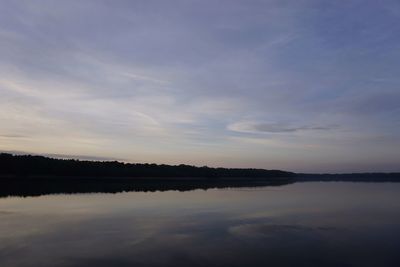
x,y
300,224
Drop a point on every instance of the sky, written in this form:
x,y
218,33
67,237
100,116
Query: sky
x,y
302,85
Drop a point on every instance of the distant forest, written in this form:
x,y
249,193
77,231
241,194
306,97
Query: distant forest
x,y
28,166
26,175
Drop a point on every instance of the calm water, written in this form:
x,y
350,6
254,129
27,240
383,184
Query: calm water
x,y
302,224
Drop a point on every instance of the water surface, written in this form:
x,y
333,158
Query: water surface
x,y
302,224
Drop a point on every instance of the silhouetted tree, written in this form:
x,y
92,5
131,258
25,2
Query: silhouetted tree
x,y
28,165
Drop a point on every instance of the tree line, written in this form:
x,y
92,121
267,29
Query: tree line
x,y
29,165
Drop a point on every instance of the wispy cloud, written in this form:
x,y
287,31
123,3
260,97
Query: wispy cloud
x,y
156,81
261,127
12,136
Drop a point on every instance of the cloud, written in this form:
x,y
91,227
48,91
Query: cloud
x,y
262,127
159,77
12,136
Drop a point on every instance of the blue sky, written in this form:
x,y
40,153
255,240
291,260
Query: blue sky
x,y
296,85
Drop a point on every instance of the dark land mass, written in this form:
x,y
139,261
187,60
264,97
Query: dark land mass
x,y
30,166
26,175
43,186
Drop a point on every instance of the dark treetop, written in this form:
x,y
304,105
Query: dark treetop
x,y
28,166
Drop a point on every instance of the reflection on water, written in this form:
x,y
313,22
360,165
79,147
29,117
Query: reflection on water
x,y
305,224
44,186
